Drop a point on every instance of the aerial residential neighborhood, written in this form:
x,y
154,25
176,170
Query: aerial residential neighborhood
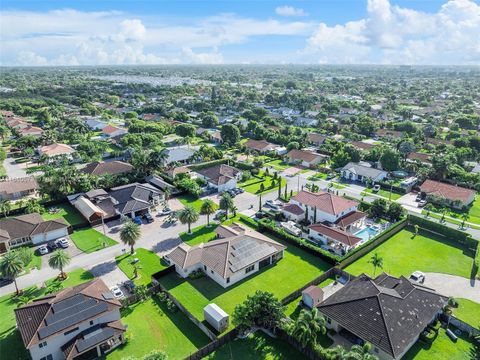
x,y
230,180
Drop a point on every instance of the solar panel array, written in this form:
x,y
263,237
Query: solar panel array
x,y
70,318
248,251
60,315
93,340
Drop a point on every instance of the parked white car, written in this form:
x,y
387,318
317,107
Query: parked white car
x,y
418,277
43,250
63,243
290,227
117,293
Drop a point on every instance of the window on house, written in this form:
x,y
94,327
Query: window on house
x,y
211,271
250,268
205,267
42,344
329,321
73,330
48,357
228,280
91,322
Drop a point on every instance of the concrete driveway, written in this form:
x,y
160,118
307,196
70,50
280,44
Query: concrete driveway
x,y
110,274
13,169
454,286
408,201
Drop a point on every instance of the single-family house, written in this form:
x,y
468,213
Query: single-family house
x,y
113,131
388,312
29,229
101,168
94,205
55,150
260,146
221,177
305,158
239,253
30,131
312,296
135,199
362,146
316,139
95,125
161,184
425,159
386,133
356,172
338,240
179,154
16,188
304,121
454,196
81,322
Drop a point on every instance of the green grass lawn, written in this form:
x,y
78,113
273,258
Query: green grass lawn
x,y
149,263
443,348
36,262
317,176
253,185
451,221
90,240
384,193
474,211
278,164
199,234
67,212
293,271
257,346
427,252
338,186
468,311
151,326
188,199
11,345
3,172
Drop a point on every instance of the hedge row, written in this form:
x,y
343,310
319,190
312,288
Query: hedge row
x,y
248,221
243,166
204,165
270,226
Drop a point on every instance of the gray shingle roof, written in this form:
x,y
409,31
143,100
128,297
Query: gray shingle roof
x,y
24,226
133,197
363,170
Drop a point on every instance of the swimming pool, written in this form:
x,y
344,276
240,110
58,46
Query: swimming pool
x,y
366,233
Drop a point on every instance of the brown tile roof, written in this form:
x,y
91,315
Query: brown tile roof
x,y
350,218
447,191
389,133
111,167
316,138
42,318
30,130
323,201
56,149
109,129
303,155
426,158
219,174
259,145
362,145
336,234
435,141
12,186
28,225
293,209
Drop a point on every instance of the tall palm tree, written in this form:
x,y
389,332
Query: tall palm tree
x,y
377,262
188,215
11,266
59,260
307,327
226,203
130,234
465,217
208,208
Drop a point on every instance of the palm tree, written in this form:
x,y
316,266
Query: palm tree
x,y
59,260
234,210
208,208
188,215
428,208
377,262
11,266
307,327
5,207
130,234
465,217
226,203
23,300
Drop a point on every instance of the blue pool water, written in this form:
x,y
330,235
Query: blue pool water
x,y
366,233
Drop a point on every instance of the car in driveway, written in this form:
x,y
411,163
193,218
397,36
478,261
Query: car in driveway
x,y
62,243
129,285
220,214
43,250
117,292
376,188
165,211
422,203
52,246
272,204
137,220
5,281
418,277
148,218
331,176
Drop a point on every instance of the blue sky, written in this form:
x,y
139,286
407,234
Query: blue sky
x,y
89,32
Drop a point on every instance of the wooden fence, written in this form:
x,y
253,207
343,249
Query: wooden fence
x,y
308,352
214,345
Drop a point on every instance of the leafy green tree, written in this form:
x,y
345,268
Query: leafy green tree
x,y
58,260
390,159
11,266
130,234
226,203
5,207
230,134
377,262
208,208
262,309
378,208
185,130
188,215
209,119
395,211
25,254
340,159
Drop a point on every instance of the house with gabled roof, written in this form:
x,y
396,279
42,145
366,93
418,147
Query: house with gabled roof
x,y
77,322
101,168
220,177
134,199
316,139
305,158
388,312
238,253
54,150
261,146
357,172
17,188
452,195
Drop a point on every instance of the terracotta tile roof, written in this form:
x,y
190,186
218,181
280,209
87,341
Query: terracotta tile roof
x,y
109,129
447,191
303,155
427,158
362,145
350,218
56,149
336,234
12,186
326,202
293,209
259,145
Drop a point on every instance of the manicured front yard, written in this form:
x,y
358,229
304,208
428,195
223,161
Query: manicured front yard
x,y
199,234
384,193
254,184
257,346
187,199
443,348
151,326
293,271
67,212
278,164
426,252
11,345
474,211
468,311
148,264
90,240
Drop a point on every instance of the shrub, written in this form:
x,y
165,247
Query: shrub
x,y
428,336
162,296
171,306
196,274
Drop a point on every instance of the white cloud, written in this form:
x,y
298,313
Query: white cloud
x,y
289,11
391,34
204,58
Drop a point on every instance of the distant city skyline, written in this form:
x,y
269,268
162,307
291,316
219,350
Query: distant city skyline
x,y
39,33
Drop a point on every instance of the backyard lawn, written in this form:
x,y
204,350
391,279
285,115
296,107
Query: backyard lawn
x,y
11,345
148,264
468,311
199,234
67,212
253,185
257,346
152,327
443,348
188,199
90,240
427,252
278,279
